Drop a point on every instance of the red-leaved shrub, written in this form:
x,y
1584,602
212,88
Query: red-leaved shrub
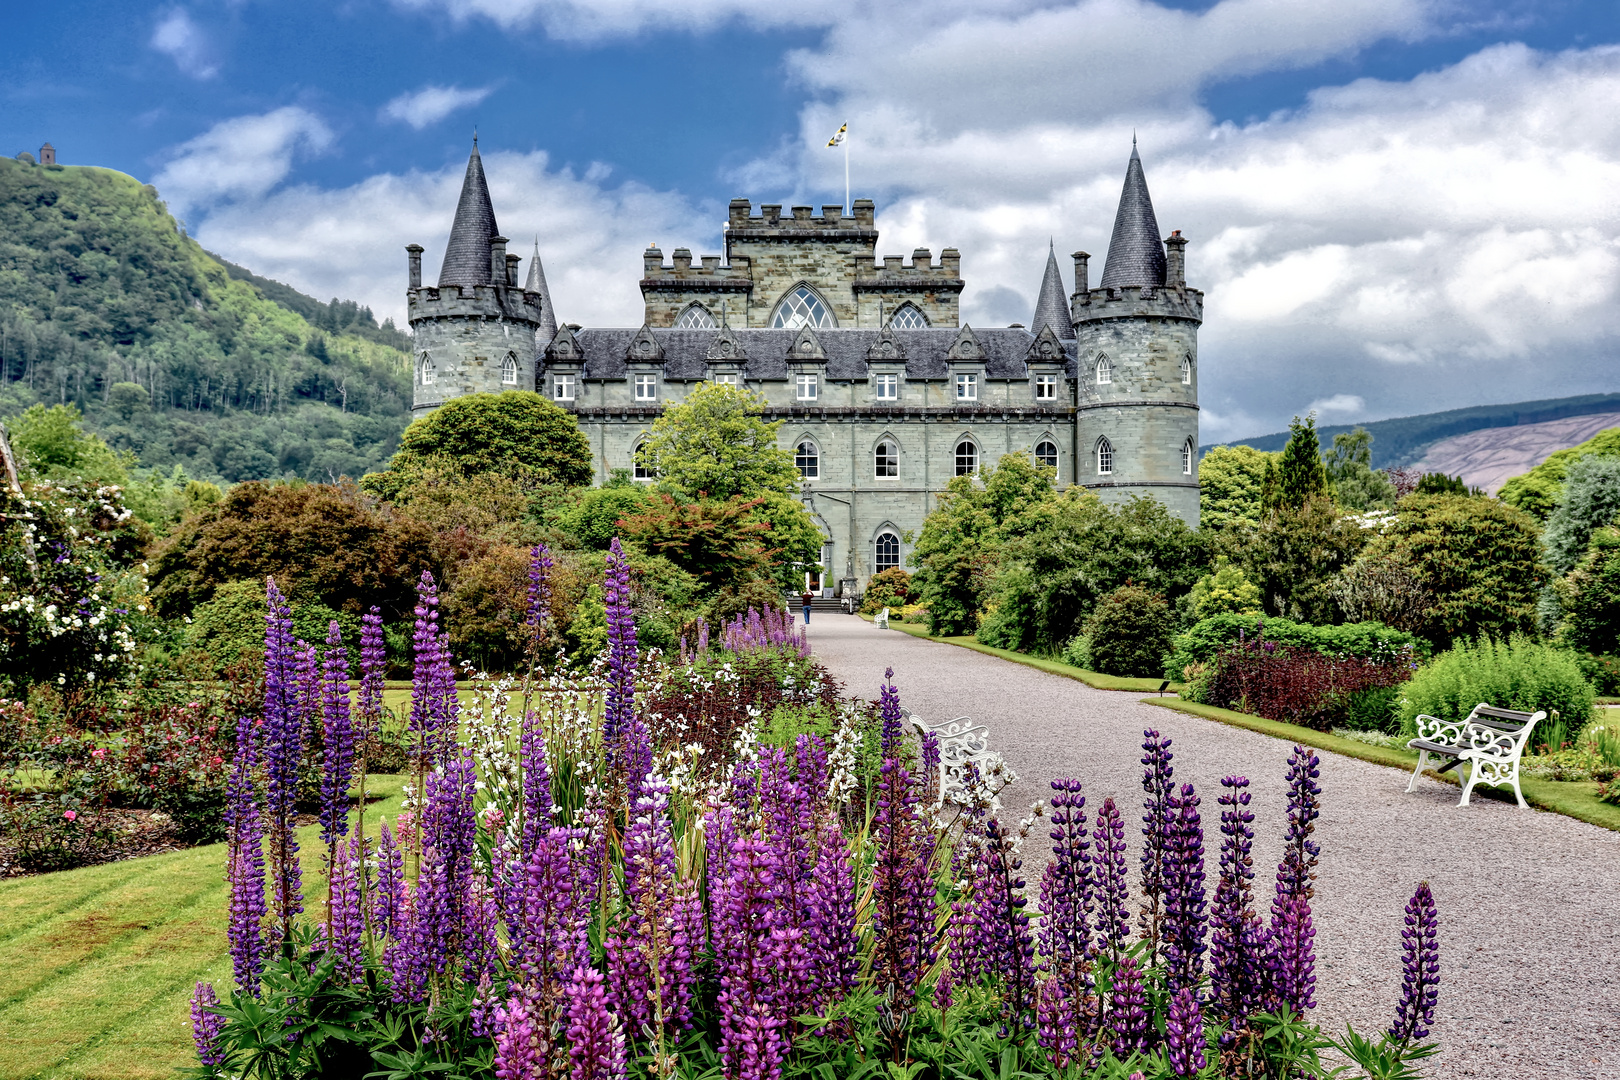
x,y
1301,686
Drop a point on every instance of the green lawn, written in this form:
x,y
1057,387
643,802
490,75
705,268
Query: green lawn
x,y
97,965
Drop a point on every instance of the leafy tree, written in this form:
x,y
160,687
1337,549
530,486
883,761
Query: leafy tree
x,y
714,444
1381,586
1355,484
1231,481
511,432
1294,556
1590,596
1539,491
1440,484
716,542
1297,475
1225,591
53,444
1479,560
593,518
1590,500
1129,632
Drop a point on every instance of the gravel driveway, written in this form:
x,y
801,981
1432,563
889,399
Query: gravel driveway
x,y
1529,901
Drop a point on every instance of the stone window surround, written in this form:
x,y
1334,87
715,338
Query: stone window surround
x,y
886,458
806,386
805,296
426,369
695,316
908,316
1104,369
638,471
1187,458
509,370
1105,456
885,548
1050,458
886,386
1186,370
967,386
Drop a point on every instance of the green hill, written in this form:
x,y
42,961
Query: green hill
x,y
239,377
1402,440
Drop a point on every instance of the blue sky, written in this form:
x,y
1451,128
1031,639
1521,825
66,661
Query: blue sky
x,y
1394,205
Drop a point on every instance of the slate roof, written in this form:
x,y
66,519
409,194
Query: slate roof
x,y
537,284
466,256
1135,252
1051,307
686,351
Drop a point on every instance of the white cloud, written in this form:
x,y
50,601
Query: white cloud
x,y
183,41
349,242
241,158
597,19
1337,409
431,104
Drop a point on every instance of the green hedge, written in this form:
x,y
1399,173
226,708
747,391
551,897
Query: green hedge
x,y
1369,640
1515,674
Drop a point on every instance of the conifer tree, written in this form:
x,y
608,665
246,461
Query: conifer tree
x,y
1299,475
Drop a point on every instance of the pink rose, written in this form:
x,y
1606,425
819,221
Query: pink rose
x,y
70,815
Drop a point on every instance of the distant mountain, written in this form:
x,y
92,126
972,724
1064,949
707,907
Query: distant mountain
x,y
239,377
1490,457
1406,440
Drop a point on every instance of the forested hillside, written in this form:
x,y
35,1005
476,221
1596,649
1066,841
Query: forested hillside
x,y
105,304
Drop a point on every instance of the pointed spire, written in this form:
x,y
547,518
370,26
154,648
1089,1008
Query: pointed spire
x,y
1135,253
1052,306
466,256
537,284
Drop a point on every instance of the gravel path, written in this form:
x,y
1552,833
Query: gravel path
x,y
1530,926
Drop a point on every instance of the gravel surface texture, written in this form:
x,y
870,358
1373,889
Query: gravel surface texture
x,y
1530,929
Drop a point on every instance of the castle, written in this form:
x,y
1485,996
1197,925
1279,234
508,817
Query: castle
x,y
883,394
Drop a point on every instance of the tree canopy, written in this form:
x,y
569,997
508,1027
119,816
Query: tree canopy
x,y
714,443
513,431
1297,475
1231,480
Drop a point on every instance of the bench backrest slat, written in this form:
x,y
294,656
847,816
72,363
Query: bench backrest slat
x,y
1501,714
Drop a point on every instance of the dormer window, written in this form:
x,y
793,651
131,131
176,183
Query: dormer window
x,y
695,317
646,388
807,387
801,307
1105,370
562,388
886,387
967,387
1046,388
509,370
725,380
908,317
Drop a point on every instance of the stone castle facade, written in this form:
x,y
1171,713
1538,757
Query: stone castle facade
x,y
883,394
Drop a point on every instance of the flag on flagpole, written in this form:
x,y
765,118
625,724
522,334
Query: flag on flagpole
x,y
838,139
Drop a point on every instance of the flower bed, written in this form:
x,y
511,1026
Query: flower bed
x,y
565,897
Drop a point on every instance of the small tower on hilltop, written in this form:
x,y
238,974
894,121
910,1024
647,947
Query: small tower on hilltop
x,y
1136,339
47,154
475,332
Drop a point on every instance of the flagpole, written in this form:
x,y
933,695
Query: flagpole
x,y
847,209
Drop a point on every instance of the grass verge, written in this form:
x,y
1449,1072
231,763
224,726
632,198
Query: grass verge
x,y
100,962
1576,800
1094,679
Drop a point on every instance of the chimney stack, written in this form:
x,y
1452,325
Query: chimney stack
x,y
511,268
1082,282
1175,261
414,251
497,260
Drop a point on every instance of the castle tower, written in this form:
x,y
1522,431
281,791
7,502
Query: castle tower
x,y
1136,340
537,285
475,332
1050,307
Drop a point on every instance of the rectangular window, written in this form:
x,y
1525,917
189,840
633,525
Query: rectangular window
x,y
725,380
807,387
887,387
1046,388
646,388
562,387
967,388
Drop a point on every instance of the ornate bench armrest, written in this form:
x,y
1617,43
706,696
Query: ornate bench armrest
x,y
1449,732
1485,742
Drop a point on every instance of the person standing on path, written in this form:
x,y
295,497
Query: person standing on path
x,y
806,599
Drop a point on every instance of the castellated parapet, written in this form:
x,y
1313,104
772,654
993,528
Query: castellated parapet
x,y
471,339
770,255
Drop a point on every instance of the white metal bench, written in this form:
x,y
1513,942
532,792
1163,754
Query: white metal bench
x,y
964,744
881,619
1489,739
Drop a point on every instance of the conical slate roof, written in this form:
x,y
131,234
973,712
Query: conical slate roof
x,y
466,257
1135,253
1051,308
537,284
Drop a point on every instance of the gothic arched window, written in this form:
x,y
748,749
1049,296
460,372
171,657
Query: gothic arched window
x,y
808,460
908,317
509,370
639,470
426,367
887,552
1187,458
695,317
967,457
1186,370
886,459
1046,454
802,307
1105,370
1105,457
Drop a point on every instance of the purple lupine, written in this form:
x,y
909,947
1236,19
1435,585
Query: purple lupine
x,y
449,828
337,738
551,939
480,948
1127,1016
373,661
1293,959
244,866
539,591
1420,966
649,956
1237,942
283,746
1112,875
788,813
388,897
1184,1034
751,1041
889,711
515,1057
344,913
903,893
834,947
536,806
626,736
595,1040
999,941
1055,1023
431,713
1068,889
944,986
1184,896
407,954
207,1025
1158,781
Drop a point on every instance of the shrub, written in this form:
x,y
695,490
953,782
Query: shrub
x,y
1603,672
1513,674
1539,491
1590,597
1226,591
890,589
1295,555
1365,640
1591,501
1078,652
1301,686
1129,632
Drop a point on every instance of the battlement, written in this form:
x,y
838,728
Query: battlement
x,y
473,302
679,274
923,273
801,224
1137,301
